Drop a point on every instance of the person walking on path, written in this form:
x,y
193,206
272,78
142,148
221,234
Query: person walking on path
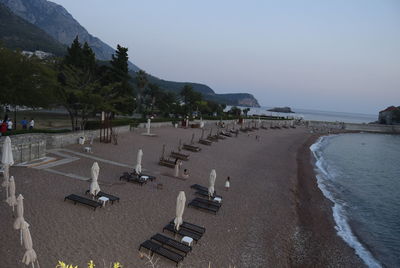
x,y
31,124
24,123
9,125
227,183
3,128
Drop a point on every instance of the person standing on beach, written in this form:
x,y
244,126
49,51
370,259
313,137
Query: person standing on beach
x,y
3,127
24,123
227,183
31,124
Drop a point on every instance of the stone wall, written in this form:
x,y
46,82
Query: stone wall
x,y
27,147
322,126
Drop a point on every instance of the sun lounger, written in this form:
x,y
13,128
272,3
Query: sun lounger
x,y
83,200
182,232
226,134
167,163
202,206
162,251
205,194
191,148
110,197
208,202
166,241
205,142
192,227
213,138
180,156
130,178
148,177
199,187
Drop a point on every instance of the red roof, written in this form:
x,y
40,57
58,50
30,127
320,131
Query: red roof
x,y
390,108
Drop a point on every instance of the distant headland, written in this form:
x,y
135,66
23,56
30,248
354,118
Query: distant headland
x,y
281,110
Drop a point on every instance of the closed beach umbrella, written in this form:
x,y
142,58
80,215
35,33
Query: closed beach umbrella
x,y
213,176
94,185
20,215
180,207
7,160
12,200
30,254
138,167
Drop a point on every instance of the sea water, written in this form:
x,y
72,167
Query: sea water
x,y
360,173
316,115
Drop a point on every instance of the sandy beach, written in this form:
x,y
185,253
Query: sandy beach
x,y
274,215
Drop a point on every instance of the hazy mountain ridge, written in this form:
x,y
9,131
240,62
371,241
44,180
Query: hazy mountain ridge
x,y
17,33
59,24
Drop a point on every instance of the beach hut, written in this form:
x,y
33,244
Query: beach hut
x,y
138,168
180,207
94,185
7,160
213,177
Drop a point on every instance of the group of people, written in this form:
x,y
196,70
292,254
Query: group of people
x,y
7,124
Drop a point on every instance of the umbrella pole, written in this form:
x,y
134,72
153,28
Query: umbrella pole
x,y
20,232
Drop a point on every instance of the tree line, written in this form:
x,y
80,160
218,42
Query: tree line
x,y
85,87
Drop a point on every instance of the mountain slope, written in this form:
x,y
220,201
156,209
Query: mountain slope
x,y
16,33
58,23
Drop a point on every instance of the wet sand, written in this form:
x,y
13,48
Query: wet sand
x,y
273,216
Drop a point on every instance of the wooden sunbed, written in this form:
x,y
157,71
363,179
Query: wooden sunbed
x,y
135,179
180,156
83,200
191,148
198,187
110,197
205,194
208,202
204,207
182,232
150,177
205,142
192,227
162,251
166,241
167,163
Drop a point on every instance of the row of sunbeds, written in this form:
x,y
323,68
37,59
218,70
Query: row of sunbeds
x,y
94,203
170,248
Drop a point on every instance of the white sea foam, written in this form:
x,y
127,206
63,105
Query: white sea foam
x,y
339,214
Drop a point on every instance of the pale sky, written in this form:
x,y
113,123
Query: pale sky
x,y
341,55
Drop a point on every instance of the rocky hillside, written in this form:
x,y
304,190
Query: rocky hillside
x,y
60,25
17,33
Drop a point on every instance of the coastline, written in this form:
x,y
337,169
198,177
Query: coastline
x,y
316,239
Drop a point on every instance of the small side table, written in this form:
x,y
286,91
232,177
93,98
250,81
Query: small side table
x,y
104,200
187,240
218,199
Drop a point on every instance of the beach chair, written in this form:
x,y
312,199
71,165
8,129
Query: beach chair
x,y
191,148
162,251
110,197
205,194
143,176
199,187
192,227
135,179
204,207
167,163
166,241
83,200
208,202
180,156
182,232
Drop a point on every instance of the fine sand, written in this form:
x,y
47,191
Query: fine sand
x,y
272,216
